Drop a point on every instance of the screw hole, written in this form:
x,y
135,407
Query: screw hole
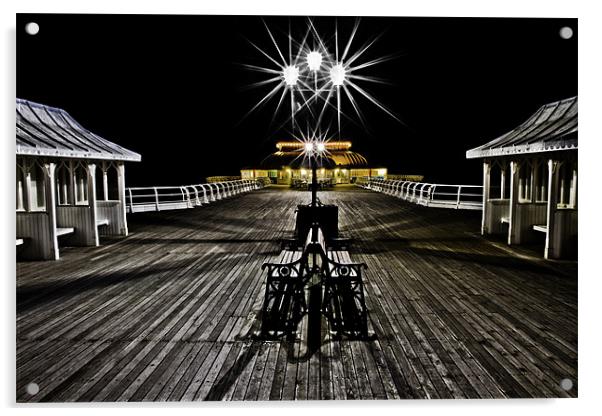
x,y
566,384
566,32
32,389
32,28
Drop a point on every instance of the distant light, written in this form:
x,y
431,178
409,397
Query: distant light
x,y
290,75
309,147
337,75
314,60
321,147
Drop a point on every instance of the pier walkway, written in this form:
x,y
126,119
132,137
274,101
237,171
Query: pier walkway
x,y
169,312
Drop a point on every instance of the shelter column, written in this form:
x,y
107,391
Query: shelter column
x,y
27,167
50,184
72,195
105,181
502,180
486,185
121,190
550,250
513,229
91,169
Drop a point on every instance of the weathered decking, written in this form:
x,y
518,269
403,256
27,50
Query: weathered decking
x,y
169,312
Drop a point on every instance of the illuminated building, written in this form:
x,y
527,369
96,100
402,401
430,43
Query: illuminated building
x,y
339,164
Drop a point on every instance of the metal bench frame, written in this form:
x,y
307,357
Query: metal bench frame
x,y
343,302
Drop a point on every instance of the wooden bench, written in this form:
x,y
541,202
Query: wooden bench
x,y
343,302
284,302
505,220
102,222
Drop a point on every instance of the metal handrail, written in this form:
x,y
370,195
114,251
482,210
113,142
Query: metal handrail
x,y
161,198
428,194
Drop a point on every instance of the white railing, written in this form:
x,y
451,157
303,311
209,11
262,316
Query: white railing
x,y
428,194
163,198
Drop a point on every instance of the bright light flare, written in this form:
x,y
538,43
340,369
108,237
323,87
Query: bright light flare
x,y
320,147
309,147
338,75
291,75
314,60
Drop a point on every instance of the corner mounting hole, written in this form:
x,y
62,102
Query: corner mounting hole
x,y
32,28
566,384
32,389
566,32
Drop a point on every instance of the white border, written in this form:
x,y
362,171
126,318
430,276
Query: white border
x,y
590,116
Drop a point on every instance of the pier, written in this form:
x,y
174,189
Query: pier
x,y
171,312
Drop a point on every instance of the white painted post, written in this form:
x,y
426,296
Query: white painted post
x,y
105,181
573,200
534,179
65,188
27,167
131,201
550,249
80,186
459,196
49,183
514,195
486,190
91,170
502,182
121,191
72,196
156,198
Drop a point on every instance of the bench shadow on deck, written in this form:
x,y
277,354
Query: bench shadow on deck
x,y
170,312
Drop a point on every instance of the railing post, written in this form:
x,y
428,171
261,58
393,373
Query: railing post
x,y
156,198
186,196
459,194
196,195
432,190
131,200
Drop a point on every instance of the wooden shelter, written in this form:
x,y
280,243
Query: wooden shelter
x,y
70,183
530,180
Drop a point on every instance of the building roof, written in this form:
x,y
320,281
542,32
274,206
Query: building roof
x,y
290,153
553,127
50,131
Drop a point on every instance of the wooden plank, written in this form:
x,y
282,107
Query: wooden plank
x,y
172,311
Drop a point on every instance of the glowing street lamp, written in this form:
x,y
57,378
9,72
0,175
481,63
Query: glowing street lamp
x,y
309,147
314,60
320,147
338,75
291,75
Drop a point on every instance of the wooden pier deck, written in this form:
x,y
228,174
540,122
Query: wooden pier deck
x,y
168,313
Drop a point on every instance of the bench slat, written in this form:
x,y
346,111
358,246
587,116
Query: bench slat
x,y
64,231
541,228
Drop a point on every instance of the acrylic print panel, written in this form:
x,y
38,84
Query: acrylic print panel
x,y
295,208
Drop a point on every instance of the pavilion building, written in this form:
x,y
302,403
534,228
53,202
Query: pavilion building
x,y
530,180
339,165
70,183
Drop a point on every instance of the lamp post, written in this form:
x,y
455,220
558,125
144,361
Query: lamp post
x,y
313,149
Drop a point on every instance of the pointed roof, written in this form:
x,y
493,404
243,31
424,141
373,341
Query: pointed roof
x,y
553,127
290,153
50,131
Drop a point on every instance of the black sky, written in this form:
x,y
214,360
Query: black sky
x,y
172,87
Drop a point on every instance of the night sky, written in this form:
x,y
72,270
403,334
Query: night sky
x,y
172,88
